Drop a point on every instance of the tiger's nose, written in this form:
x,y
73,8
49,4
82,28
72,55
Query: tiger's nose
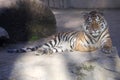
x,y
96,31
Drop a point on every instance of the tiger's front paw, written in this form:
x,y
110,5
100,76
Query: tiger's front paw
x,y
39,52
50,52
43,51
106,51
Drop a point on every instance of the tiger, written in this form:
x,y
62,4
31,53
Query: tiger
x,y
93,36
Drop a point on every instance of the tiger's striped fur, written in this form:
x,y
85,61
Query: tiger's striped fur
x,y
95,35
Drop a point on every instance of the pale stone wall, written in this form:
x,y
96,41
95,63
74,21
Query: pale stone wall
x,y
95,3
83,3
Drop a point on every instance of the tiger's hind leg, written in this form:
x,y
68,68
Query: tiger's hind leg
x,y
42,51
48,51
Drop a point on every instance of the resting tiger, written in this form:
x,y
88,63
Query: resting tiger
x,y
94,35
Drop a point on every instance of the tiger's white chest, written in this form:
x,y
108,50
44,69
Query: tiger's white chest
x,y
94,42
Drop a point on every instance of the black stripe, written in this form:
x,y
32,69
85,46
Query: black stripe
x,y
59,36
71,38
21,50
68,38
56,49
33,49
62,36
55,41
51,43
46,44
71,46
71,41
73,33
91,40
86,40
104,34
29,49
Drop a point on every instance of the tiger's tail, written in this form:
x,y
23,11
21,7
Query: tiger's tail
x,y
23,50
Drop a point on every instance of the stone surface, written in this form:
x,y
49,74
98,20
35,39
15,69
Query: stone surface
x,y
61,66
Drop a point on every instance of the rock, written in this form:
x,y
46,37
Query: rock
x,y
67,66
96,66
26,20
4,37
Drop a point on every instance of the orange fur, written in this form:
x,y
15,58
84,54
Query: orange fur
x,y
79,46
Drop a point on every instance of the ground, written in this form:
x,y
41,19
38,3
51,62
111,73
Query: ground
x,y
65,66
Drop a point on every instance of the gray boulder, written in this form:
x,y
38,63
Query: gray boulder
x,y
4,36
26,20
3,33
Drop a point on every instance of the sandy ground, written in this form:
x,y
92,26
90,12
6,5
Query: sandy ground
x,y
27,66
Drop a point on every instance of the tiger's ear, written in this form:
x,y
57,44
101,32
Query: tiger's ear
x,y
100,12
86,15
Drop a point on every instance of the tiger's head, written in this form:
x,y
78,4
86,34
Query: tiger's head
x,y
94,24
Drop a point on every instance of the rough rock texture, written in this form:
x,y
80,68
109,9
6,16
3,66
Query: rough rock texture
x,y
69,66
66,66
26,19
